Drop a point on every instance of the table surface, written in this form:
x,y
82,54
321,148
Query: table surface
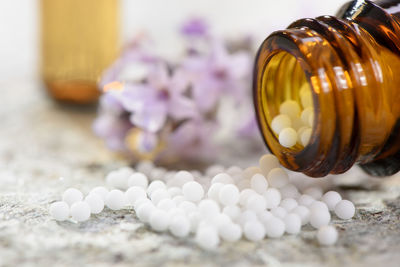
x,y
41,141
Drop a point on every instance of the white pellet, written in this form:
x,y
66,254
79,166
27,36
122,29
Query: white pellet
x,y
305,114
288,137
272,197
254,230
327,235
318,205
331,198
208,208
229,195
230,232
246,216
144,211
292,223
115,199
279,212
181,178
277,178
233,170
193,191
259,183
179,226
288,204
256,203
274,227
268,162
138,179
140,202
159,195
100,190
222,178
232,211
187,206
207,238
166,204
159,220
290,108
72,195
80,211
264,216
134,193
250,171
280,122
306,98
305,136
345,209
303,212
95,202
154,185
178,199
194,218
213,191
59,210
289,191
214,170
306,200
319,217
243,184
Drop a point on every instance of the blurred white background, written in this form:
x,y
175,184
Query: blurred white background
x,y
19,31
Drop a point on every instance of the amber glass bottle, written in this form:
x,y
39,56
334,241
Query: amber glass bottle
x,y
351,63
79,39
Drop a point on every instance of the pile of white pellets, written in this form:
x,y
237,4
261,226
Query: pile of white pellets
x,y
221,204
294,123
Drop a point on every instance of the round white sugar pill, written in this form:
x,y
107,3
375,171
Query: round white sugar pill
x,y
222,178
213,191
80,211
138,179
292,223
119,178
179,226
305,136
180,178
144,211
208,208
288,137
256,203
272,197
207,237
280,122
331,198
345,209
140,202
246,216
95,203
159,220
243,184
290,108
268,162
277,178
72,195
229,195
100,190
245,194
318,205
299,133
233,170
194,218
232,211
176,212
174,191
274,227
187,206
314,192
193,191
250,171
305,114
59,210
303,212
279,212
306,200
288,204
264,216
259,183
159,195
327,235
289,191
230,232
254,231
178,199
115,199
134,193
154,185
319,217
166,204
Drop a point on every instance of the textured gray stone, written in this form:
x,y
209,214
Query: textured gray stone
x,y
41,141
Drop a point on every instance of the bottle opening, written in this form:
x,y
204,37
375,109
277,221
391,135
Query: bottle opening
x,y
287,100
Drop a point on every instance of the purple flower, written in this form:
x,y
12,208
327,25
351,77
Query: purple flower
x,y
161,96
195,27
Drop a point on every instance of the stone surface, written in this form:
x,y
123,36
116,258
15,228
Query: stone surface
x,y
41,141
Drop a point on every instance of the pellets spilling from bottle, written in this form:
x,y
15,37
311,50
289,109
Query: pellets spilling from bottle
x,y
218,205
294,123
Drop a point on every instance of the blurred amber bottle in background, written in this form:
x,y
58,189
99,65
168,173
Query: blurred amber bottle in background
x,y
79,39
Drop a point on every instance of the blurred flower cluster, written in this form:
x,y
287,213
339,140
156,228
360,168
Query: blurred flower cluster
x,y
156,109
